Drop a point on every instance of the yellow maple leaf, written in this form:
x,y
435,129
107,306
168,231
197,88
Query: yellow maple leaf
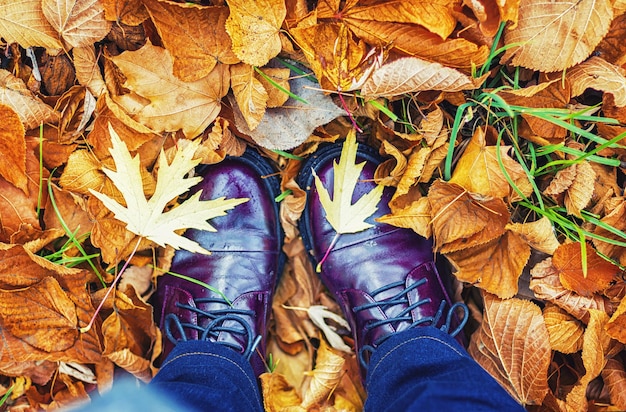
x,y
344,216
147,218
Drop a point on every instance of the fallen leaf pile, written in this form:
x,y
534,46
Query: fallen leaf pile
x,y
106,106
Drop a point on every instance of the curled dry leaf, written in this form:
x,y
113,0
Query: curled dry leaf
x,y
195,52
567,260
479,171
23,22
249,93
87,69
412,74
558,34
12,149
278,394
161,101
461,219
546,285
329,369
513,345
254,27
566,332
540,234
614,378
78,22
597,73
494,266
31,110
616,326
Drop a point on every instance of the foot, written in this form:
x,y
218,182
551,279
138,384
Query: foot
x,y
242,269
384,278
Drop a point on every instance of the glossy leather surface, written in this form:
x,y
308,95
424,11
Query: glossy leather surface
x,y
246,257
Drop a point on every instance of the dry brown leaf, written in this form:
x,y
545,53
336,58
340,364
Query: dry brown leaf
x,y
513,345
540,234
78,22
566,332
579,194
31,110
614,378
329,369
596,345
494,266
83,173
417,41
195,52
567,260
71,208
42,315
253,28
461,219
597,73
23,22
616,327
249,93
276,97
131,12
412,74
278,394
163,102
479,171
87,70
416,216
12,148
612,48
617,219
546,285
558,34
562,180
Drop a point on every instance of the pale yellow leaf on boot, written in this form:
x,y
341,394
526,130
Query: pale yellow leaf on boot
x,y
148,218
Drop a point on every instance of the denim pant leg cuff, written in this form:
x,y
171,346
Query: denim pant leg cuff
x,y
208,376
426,369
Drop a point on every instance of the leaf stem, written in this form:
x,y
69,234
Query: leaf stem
x,y
119,275
318,268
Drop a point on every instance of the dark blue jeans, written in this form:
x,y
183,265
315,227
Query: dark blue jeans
x,y
421,369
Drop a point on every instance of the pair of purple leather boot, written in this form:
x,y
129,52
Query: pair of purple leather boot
x,y
384,278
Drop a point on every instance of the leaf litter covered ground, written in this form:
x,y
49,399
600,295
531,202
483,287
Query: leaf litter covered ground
x,y
503,125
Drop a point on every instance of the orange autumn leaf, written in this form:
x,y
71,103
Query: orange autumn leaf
x,y
12,148
577,183
78,22
329,368
249,93
616,219
278,394
567,260
23,22
597,73
614,377
513,345
30,108
131,12
253,28
566,332
195,52
494,266
616,326
461,219
538,234
479,170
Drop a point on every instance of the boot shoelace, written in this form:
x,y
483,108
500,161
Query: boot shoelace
x,y
401,298
216,320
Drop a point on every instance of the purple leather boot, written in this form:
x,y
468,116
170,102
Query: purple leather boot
x,y
384,278
245,262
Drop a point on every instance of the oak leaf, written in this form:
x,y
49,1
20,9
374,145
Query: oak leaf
x,y
461,219
148,218
254,27
479,169
194,35
513,345
78,22
341,213
596,73
597,275
13,149
494,266
557,35
412,74
163,102
23,22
